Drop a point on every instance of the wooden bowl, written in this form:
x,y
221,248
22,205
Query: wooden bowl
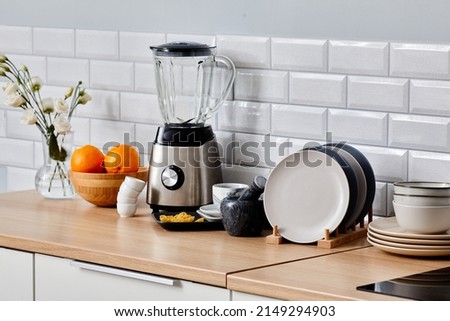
x,y
102,189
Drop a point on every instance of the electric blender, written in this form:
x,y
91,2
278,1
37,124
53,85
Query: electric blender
x,y
192,83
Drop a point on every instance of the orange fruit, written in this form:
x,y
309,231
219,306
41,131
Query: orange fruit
x,y
122,158
87,159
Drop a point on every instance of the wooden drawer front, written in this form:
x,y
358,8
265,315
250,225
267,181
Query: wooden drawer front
x,y
64,279
16,275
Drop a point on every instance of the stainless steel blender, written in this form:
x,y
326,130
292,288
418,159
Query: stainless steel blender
x,y
192,83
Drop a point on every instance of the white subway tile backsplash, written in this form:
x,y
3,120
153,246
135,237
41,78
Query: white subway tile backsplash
x,y
144,78
15,129
20,178
2,123
97,44
68,71
145,136
54,42
389,164
112,75
15,40
299,121
299,54
245,51
37,65
16,152
245,116
378,93
379,205
135,46
242,174
104,105
141,108
420,60
427,166
261,85
430,97
361,127
318,89
3,180
80,127
107,133
419,132
298,90
259,150
359,57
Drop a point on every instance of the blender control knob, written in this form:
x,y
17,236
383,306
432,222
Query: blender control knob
x,y
172,177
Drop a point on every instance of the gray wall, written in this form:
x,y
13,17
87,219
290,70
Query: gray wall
x,y
395,20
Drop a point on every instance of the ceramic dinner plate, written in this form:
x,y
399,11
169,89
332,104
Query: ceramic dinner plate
x,y
361,185
407,240
373,238
389,226
411,252
368,173
306,193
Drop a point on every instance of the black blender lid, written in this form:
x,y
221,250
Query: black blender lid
x,y
182,49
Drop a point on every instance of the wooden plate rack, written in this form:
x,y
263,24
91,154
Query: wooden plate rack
x,y
331,239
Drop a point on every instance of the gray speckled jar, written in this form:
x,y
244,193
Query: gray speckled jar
x,y
243,218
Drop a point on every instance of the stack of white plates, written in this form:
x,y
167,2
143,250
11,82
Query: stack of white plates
x,y
210,212
325,187
387,235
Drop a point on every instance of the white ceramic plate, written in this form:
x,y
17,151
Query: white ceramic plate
x,y
406,240
211,210
209,218
389,226
306,193
412,252
371,237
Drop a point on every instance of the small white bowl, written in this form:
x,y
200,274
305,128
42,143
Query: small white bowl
x,y
422,188
423,219
414,200
126,210
222,190
123,199
127,191
135,183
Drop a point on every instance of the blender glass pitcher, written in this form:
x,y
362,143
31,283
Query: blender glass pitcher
x,y
192,81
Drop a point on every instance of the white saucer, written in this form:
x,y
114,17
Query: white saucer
x,y
209,218
211,210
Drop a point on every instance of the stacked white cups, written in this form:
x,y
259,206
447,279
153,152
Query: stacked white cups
x,y
128,195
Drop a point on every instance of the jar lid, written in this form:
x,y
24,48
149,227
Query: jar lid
x,y
182,49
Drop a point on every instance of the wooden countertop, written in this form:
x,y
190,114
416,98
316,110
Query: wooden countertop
x,y
79,230
332,277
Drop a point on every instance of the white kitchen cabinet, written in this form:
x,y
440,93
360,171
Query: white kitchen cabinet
x,y
66,279
16,275
241,296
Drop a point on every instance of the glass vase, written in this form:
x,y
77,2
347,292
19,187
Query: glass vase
x,y
52,178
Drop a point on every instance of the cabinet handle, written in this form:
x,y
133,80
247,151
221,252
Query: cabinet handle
x,y
124,273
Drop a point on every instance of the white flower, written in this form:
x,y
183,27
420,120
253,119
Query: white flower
x,y
28,117
84,98
62,125
47,105
15,100
60,106
10,88
36,83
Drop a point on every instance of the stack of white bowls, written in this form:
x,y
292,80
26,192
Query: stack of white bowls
x,y
128,196
422,207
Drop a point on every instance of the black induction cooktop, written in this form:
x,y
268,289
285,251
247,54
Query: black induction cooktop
x,y
427,286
